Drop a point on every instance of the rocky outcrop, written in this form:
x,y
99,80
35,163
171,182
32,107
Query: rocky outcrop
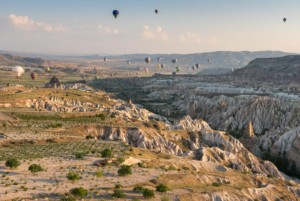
x,y
204,143
137,138
249,131
53,83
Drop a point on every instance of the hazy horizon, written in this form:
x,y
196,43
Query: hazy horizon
x,y
85,28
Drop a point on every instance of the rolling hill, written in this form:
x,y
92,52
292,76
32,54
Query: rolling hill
x,y
8,59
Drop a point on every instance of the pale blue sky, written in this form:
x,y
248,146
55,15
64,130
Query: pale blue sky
x,y
182,26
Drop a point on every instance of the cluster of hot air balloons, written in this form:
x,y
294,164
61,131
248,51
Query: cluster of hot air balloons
x,y
19,71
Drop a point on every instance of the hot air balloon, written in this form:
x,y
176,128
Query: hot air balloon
x,y
193,68
177,69
104,59
162,65
174,61
115,13
47,69
128,62
197,66
18,70
158,66
147,60
158,59
33,75
156,11
284,19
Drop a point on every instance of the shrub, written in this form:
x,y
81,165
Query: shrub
x,y
118,194
78,192
141,165
73,176
118,186
148,193
165,198
113,115
107,153
162,188
12,163
99,173
138,188
101,116
80,155
34,168
217,184
67,198
124,170
88,137
119,161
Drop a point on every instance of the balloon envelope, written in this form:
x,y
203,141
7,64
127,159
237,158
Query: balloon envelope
x,y
284,19
18,70
147,60
105,59
174,61
47,69
156,11
33,75
115,13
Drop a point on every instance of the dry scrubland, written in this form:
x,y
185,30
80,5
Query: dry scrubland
x,y
60,142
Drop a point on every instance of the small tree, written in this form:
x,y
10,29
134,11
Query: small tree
x,y
78,192
12,163
118,194
124,170
80,155
138,188
162,188
73,176
148,193
107,153
118,186
34,168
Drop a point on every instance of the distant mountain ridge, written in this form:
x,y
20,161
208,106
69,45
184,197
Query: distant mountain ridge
x,y
217,60
220,59
287,66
